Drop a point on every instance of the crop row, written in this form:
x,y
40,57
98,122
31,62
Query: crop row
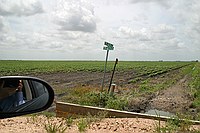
x,y
19,67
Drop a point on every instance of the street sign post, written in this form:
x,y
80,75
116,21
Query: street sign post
x,y
108,47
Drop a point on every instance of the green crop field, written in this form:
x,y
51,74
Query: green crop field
x,y
18,67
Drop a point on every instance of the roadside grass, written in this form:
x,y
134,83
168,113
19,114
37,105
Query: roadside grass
x,y
32,118
80,95
178,124
93,97
195,86
85,122
55,127
51,123
82,123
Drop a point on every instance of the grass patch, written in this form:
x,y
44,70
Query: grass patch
x,y
178,124
55,127
83,123
90,97
195,86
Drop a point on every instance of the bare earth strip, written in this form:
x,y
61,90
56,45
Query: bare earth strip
x,y
36,124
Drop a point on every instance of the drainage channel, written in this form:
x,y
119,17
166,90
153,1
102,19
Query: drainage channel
x,y
159,113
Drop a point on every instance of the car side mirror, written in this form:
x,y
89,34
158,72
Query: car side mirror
x,y
20,95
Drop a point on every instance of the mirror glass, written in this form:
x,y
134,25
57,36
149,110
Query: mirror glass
x,y
20,95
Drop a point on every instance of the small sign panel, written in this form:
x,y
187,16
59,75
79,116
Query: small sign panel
x,y
109,46
105,48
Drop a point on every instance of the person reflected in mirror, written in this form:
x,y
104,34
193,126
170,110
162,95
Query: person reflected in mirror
x,y
11,95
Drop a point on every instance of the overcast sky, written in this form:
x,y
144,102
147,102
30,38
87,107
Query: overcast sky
x,y
77,29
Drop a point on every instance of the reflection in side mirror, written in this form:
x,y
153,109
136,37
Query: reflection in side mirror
x,y
23,95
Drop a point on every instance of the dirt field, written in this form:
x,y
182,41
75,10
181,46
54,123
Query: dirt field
x,y
174,99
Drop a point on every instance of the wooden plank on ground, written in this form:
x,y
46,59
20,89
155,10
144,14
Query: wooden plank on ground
x,y
69,109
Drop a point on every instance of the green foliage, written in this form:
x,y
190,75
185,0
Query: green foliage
x,y
52,127
103,99
34,117
195,85
144,86
135,80
69,121
94,98
175,124
80,95
116,103
82,124
19,67
91,99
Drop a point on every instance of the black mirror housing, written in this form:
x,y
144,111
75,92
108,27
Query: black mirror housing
x,y
38,95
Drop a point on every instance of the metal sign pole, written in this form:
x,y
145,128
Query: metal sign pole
x,y
108,47
112,74
104,71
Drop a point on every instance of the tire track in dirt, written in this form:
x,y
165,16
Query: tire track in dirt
x,y
175,99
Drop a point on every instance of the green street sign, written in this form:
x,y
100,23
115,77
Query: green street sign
x,y
105,48
109,46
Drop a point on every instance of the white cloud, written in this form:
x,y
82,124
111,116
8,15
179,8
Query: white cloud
x,y
139,29
20,7
141,34
2,24
160,32
155,39
163,28
187,15
164,3
75,16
